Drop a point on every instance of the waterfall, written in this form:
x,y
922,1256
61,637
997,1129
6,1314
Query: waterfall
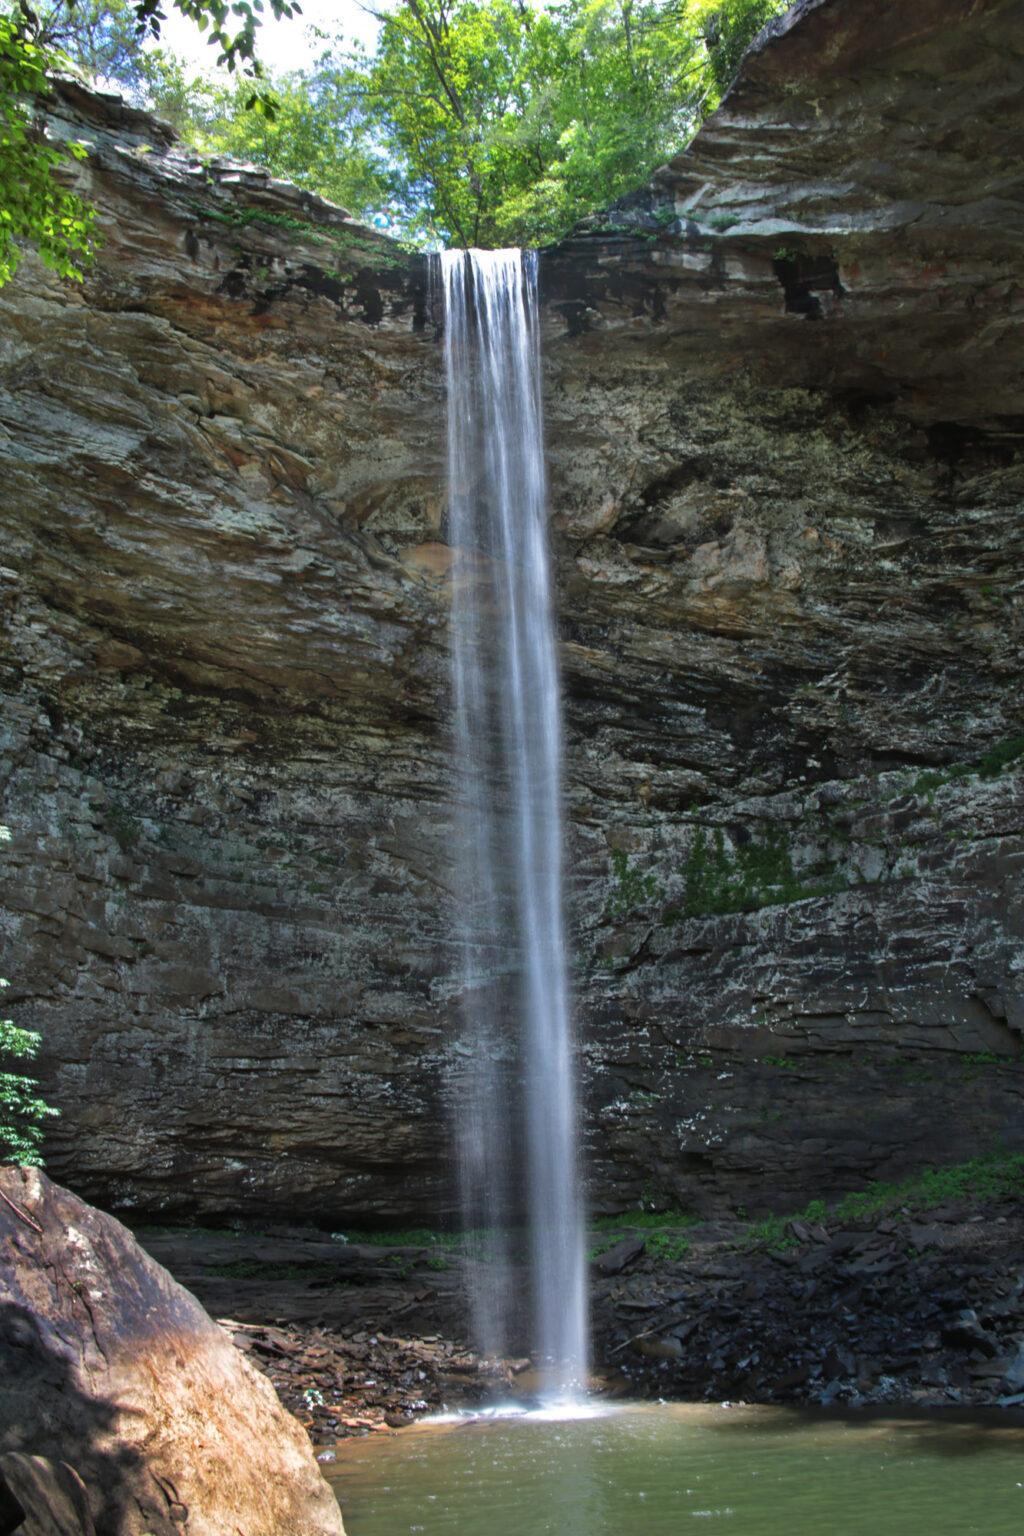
x,y
516,1121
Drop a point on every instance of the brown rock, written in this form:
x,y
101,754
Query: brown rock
x,y
109,1366
39,1497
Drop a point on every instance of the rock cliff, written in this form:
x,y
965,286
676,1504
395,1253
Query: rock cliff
x,y
785,414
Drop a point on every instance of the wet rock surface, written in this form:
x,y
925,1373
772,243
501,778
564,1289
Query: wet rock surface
x,y
339,1385
783,403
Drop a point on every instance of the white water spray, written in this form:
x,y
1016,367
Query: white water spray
x,y
517,1113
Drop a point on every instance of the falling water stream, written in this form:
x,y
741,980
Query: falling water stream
x,y
517,1101
573,1468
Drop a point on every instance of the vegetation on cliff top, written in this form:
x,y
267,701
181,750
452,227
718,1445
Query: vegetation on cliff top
x,y
37,208
471,122
34,207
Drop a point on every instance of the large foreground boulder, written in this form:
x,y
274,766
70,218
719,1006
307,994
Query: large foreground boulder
x,y
123,1407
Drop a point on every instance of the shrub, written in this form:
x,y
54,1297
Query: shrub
x,y
22,1112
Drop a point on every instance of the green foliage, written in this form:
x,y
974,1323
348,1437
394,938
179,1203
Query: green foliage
x,y
22,1112
410,1237
927,783
106,39
360,249
511,121
472,122
667,1245
752,874
317,137
631,889
662,1232
1008,754
35,209
980,1181
1004,756
780,1061
644,1221
731,28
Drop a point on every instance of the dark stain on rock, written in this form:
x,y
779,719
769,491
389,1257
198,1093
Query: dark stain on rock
x,y
803,278
234,284
995,446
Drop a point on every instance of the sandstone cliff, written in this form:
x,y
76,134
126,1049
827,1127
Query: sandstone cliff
x,y
785,405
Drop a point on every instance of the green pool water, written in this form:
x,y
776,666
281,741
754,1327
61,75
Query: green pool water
x,y
664,1470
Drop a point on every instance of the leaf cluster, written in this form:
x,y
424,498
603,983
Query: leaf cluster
x,y
471,122
23,1112
231,25
35,206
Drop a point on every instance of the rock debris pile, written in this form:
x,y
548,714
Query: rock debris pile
x,y
340,1386
926,1310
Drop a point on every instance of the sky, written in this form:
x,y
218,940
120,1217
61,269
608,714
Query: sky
x,y
281,45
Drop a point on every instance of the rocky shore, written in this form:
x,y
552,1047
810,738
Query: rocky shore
x,y
914,1303
923,1311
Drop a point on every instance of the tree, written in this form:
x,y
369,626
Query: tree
x,y
730,29
511,122
473,122
232,25
36,209
317,136
507,123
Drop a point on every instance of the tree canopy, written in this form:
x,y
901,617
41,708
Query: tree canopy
x,y
37,208
471,122
486,122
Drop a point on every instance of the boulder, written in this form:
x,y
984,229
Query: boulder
x,y
619,1257
124,1409
39,1497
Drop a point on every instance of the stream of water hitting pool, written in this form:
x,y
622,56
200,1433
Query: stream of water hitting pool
x,y
517,1113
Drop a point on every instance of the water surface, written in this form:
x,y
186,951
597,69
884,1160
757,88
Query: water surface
x,y
667,1470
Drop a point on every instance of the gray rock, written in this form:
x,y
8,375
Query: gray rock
x,y
619,1257
785,519
39,1497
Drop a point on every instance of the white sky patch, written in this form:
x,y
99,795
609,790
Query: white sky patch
x,y
281,46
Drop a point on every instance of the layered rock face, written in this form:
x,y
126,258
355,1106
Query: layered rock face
x,y
784,413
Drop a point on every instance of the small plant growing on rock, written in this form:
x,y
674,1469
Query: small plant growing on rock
x,y
667,1245
22,1111
631,889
